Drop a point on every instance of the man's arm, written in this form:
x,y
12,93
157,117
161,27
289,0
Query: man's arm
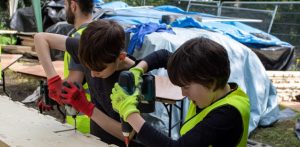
x,y
43,43
75,72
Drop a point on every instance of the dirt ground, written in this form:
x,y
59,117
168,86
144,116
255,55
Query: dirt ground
x,y
19,86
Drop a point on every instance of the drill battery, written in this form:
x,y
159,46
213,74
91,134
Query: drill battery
x,y
146,99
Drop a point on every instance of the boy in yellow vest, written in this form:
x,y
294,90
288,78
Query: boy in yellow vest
x,y
218,114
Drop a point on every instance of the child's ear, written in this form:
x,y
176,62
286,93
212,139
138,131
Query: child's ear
x,y
122,56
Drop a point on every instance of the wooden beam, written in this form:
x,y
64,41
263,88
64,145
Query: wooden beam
x,y
26,127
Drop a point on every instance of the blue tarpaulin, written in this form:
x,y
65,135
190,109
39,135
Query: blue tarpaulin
x,y
141,30
236,30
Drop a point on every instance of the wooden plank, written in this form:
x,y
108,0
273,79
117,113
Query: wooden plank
x,y
28,43
26,38
27,33
8,59
26,127
288,85
37,70
17,47
8,32
283,73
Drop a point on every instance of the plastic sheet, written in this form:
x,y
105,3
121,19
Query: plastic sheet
x,y
274,53
59,28
141,30
24,20
275,57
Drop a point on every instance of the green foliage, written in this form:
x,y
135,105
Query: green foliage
x,y
296,65
6,39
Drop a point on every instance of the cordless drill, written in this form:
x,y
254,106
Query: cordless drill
x,y
48,101
69,109
45,93
146,100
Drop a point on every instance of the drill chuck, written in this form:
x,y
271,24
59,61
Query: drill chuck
x,y
69,109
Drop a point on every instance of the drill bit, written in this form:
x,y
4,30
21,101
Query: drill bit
x,y
75,125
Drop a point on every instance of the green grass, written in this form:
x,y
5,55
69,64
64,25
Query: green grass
x,y
281,134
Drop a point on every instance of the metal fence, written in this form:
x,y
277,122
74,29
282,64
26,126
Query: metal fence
x,y
281,19
147,2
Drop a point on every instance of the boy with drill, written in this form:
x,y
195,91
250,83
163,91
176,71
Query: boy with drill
x,y
219,112
100,53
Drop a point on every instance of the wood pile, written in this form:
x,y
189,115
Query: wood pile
x,y
19,49
27,40
287,84
25,47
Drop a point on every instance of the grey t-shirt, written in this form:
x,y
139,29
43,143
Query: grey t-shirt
x,y
72,64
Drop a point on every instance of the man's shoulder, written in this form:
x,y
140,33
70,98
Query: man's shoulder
x,y
72,42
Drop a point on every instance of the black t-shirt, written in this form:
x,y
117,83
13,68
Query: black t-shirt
x,y
100,90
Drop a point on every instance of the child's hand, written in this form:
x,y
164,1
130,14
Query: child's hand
x,y
123,103
137,72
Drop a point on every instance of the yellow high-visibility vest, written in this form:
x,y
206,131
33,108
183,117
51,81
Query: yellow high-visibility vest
x,y
82,121
237,99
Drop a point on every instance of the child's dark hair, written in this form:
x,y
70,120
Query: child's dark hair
x,y
202,61
86,6
101,43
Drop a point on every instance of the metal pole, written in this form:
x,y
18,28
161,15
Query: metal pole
x,y
36,4
219,12
143,2
272,20
188,6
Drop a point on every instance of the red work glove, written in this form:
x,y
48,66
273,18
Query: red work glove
x,y
54,88
75,95
44,107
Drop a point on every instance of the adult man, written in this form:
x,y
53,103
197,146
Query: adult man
x,y
79,14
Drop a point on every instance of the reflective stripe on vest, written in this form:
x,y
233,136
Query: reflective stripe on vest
x,y
82,121
237,99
